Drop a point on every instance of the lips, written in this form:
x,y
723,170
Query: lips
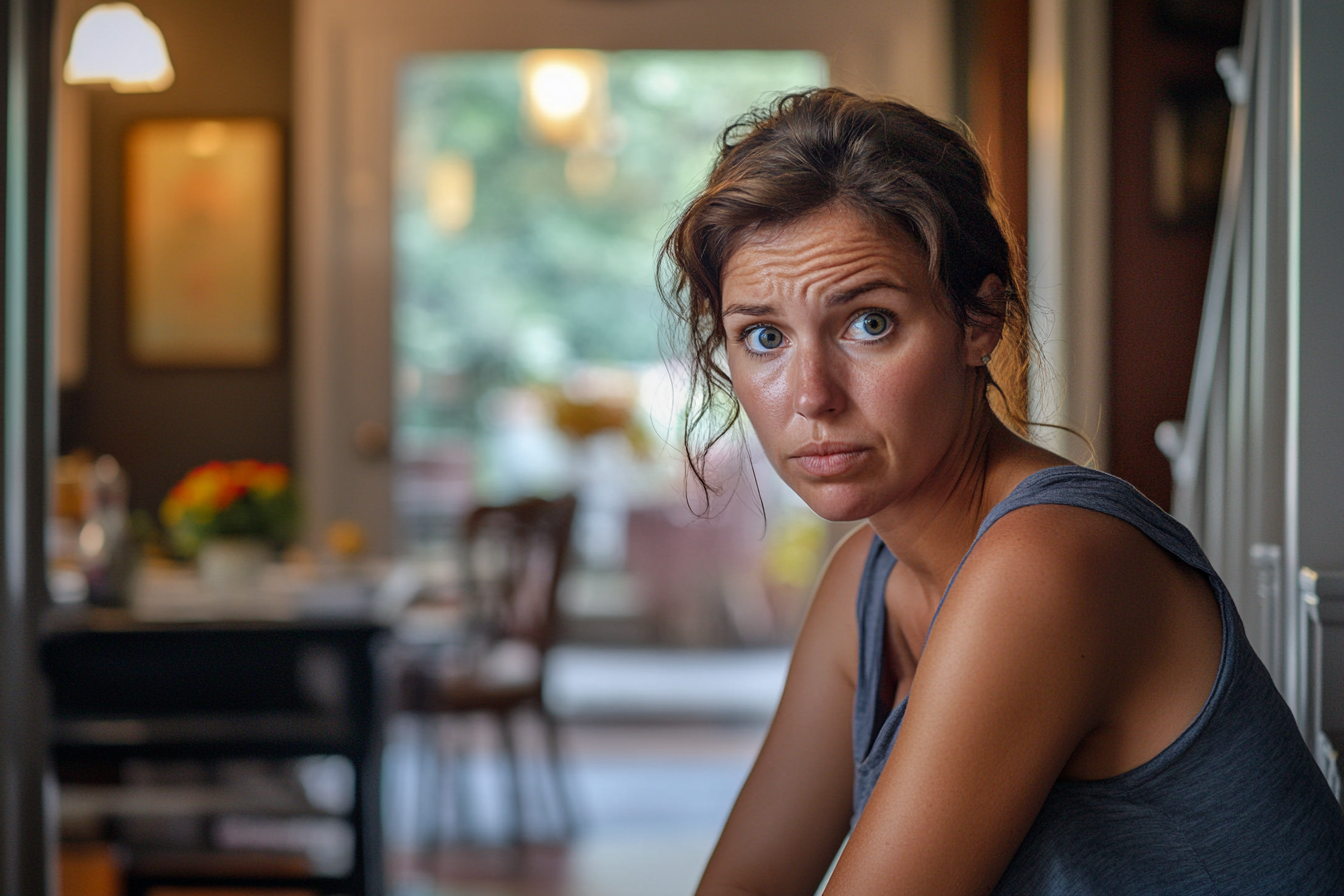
x,y
828,458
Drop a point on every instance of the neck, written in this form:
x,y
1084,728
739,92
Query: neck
x,y
932,529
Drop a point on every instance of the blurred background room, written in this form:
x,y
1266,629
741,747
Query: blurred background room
x,y
373,561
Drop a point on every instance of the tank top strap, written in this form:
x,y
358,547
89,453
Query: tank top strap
x,y
871,607
1076,486
1102,492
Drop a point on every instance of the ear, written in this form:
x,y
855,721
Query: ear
x,y
982,337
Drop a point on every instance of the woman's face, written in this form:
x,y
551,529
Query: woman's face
x,y
856,380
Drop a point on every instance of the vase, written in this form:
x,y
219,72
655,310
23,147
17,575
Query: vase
x,y
232,566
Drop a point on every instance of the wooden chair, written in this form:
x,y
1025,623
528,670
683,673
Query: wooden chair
x,y
513,558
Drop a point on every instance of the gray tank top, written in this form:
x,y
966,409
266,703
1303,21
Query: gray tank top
x,y
1236,804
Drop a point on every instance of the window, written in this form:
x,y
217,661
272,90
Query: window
x,y
531,194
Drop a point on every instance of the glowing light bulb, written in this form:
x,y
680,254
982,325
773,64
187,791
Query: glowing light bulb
x,y
560,89
565,100
115,44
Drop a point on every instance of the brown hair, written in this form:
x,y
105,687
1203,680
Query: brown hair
x,y
883,159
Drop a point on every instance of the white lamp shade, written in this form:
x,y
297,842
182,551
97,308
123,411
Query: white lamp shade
x,y
115,44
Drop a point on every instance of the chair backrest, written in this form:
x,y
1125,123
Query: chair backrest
x,y
514,557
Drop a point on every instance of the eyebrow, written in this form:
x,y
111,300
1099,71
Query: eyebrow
x,y
749,310
834,300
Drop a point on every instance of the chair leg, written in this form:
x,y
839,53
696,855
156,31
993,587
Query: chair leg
x,y
458,758
425,756
514,775
552,735
440,758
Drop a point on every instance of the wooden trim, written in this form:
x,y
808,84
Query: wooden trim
x,y
1069,217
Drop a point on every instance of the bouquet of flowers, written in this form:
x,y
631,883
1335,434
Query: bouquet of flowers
x,y
241,499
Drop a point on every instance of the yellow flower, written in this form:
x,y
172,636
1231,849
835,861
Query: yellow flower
x,y
269,479
172,511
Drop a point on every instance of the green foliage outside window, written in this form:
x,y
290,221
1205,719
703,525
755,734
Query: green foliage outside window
x,y
555,266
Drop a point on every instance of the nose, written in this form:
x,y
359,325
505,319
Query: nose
x,y
817,391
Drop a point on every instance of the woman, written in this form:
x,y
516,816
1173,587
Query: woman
x,y
1077,706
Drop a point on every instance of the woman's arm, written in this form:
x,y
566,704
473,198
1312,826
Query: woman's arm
x,y
793,811
1030,648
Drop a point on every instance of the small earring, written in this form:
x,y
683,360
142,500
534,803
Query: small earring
x,y
984,359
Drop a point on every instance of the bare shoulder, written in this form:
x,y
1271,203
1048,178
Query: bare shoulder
x,y
1058,589
1055,552
1066,583
831,627
1100,617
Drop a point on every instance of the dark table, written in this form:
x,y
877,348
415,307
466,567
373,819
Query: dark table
x,y
124,689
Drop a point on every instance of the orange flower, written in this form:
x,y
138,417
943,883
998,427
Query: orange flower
x,y
209,487
201,505
270,479
201,487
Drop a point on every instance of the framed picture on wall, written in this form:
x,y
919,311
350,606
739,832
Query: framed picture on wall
x,y
1189,141
204,240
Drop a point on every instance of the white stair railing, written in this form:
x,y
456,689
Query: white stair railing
x,y
1228,455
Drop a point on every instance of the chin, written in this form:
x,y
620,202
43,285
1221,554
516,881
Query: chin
x,y
840,503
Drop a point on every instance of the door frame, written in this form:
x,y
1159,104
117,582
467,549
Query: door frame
x,y
26,427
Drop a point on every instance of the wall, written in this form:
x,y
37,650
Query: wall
x,y
233,58
1157,270
1320,323
991,87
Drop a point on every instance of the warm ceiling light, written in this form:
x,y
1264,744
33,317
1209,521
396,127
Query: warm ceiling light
x,y
565,95
115,44
560,89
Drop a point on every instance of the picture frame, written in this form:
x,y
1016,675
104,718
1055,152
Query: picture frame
x,y
1188,144
204,242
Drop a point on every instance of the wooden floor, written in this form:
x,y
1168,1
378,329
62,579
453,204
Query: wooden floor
x,y
650,800
650,788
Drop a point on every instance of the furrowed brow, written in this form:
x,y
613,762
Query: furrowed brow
x,y
837,299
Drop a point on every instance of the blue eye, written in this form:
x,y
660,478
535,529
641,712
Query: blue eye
x,y
870,325
763,338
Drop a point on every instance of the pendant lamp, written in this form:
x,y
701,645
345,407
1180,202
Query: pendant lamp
x,y
115,44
